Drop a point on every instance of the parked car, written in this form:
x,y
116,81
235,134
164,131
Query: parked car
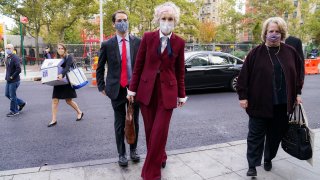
x,y
208,69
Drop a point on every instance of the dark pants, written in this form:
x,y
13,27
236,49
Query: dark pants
x,y
11,93
156,123
265,135
119,107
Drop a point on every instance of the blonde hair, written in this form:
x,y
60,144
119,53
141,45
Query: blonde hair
x,y
164,8
282,25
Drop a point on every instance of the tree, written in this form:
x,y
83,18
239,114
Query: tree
x,y
29,8
311,23
231,21
208,32
262,10
65,15
141,12
57,16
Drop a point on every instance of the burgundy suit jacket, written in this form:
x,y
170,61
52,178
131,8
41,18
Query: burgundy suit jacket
x,y
149,62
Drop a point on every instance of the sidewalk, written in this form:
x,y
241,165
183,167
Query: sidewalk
x,y
226,161
32,73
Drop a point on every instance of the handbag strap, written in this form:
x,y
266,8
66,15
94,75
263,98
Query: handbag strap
x,y
299,117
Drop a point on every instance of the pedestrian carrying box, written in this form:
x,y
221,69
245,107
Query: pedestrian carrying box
x,y
50,70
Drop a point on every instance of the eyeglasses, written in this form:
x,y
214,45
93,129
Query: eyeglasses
x,y
119,20
167,19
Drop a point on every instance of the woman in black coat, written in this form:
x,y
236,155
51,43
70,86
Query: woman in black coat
x,y
268,86
64,91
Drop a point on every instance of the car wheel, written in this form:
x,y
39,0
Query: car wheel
x,y
233,83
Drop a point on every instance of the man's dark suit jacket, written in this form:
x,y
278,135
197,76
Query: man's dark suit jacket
x,y
297,44
109,53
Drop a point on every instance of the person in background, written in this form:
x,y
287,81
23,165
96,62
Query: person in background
x,y
46,54
64,91
269,85
158,85
297,44
119,52
13,71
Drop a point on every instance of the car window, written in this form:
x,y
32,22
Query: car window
x,y
218,60
239,61
199,60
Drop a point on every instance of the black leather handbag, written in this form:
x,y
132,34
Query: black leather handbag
x,y
296,141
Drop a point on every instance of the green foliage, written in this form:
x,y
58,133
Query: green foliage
x,y
230,22
263,10
141,12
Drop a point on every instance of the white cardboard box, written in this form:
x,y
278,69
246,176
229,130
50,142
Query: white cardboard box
x,y
50,70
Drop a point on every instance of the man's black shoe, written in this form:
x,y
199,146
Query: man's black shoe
x,y
252,172
267,165
22,106
123,161
10,114
134,156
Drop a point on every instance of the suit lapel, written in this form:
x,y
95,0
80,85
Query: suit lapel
x,y
132,45
116,48
156,37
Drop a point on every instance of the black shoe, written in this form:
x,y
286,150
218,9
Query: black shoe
x,y
163,164
134,156
252,172
22,106
52,124
123,161
80,117
10,114
267,165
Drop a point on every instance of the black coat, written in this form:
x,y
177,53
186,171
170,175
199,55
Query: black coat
x,y
297,44
13,69
109,53
256,77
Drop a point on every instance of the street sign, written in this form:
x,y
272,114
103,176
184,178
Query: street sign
x,y
24,20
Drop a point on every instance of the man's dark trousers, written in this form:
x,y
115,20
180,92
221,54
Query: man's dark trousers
x,y
119,107
11,93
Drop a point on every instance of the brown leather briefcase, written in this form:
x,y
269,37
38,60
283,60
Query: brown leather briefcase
x,y
129,129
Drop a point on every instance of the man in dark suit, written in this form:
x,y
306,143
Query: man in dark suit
x,y
297,44
119,53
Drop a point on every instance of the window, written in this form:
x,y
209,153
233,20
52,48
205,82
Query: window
x,y
295,3
199,60
295,14
286,15
218,60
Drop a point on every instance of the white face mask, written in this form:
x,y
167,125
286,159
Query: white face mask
x,y
166,27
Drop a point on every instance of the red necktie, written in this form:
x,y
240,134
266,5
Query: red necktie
x,y
124,76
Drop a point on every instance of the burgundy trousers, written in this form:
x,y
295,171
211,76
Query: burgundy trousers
x,y
156,123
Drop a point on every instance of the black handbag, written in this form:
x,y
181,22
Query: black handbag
x,y
296,140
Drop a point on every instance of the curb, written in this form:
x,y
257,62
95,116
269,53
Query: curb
x,y
112,160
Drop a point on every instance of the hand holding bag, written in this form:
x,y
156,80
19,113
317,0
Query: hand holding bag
x,y
296,141
77,77
129,129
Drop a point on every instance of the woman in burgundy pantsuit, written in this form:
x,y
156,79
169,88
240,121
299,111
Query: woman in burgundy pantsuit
x,y
158,85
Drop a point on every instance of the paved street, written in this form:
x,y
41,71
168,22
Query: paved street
x,y
209,117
